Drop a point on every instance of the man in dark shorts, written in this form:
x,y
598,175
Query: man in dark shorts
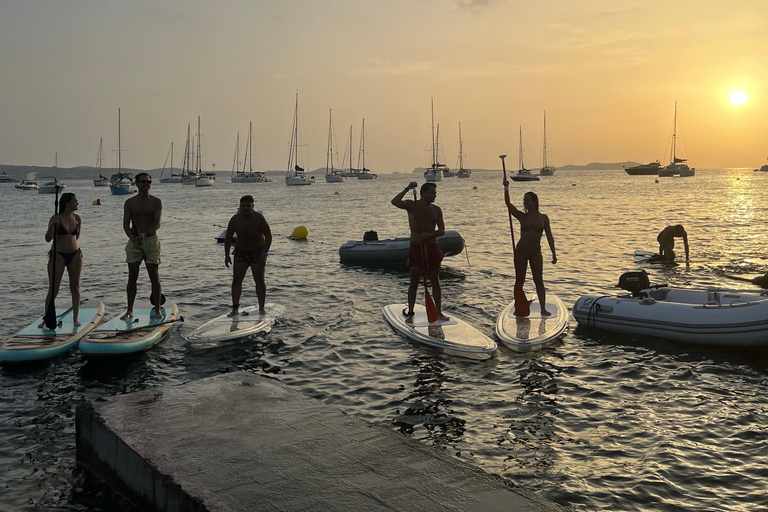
x,y
666,241
423,242
254,238
141,220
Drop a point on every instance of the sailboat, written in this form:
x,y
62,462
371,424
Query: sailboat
x,y
101,181
202,179
677,166
173,178
121,183
523,174
546,169
363,173
250,176
295,174
462,172
331,175
187,176
351,172
435,172
49,187
237,175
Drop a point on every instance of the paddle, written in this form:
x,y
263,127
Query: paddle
x,y
112,334
522,307
49,318
430,305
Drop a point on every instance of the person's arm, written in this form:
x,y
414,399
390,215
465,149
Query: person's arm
x,y
79,226
134,238
550,239
398,199
152,230
52,224
510,207
228,242
267,237
685,243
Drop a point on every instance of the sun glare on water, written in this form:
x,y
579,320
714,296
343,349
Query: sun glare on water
x,y
738,98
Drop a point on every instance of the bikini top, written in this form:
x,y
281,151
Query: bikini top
x,y
61,230
538,229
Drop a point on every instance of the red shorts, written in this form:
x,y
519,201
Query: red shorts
x,y
434,256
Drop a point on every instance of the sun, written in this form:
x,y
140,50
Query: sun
x,y
738,98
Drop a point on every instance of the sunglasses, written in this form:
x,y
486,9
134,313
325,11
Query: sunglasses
x,y
145,182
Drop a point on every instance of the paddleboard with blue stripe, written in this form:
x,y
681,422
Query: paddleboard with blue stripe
x,y
141,332
34,343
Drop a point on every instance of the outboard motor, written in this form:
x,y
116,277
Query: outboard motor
x,y
634,282
370,236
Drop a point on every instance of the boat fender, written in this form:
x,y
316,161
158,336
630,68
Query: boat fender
x,y
370,236
647,301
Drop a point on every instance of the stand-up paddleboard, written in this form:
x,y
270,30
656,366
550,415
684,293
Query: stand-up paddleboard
x,y
249,321
533,332
34,343
136,334
454,337
651,257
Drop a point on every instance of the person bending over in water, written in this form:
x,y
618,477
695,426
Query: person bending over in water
x,y
65,226
141,220
254,238
532,225
666,241
423,242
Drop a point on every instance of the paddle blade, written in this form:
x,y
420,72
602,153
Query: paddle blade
x,y
522,306
49,319
430,305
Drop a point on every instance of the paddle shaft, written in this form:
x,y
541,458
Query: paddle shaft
x,y
522,308
428,303
143,328
49,318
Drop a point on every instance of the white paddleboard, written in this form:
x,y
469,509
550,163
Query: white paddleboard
x,y
249,321
454,337
651,257
533,332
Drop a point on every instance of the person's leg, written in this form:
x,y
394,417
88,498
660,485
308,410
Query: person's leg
x,y
537,273
258,271
130,289
54,281
521,264
157,291
239,269
437,293
74,269
413,288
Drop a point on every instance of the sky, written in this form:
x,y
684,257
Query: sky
x,y
607,73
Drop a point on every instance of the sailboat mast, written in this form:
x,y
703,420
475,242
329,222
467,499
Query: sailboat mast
x,y
98,157
674,136
199,168
250,146
461,151
362,145
119,147
350,148
545,139
434,154
171,159
328,155
520,150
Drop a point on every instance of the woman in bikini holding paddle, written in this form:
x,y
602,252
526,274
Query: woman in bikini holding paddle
x,y
66,228
532,225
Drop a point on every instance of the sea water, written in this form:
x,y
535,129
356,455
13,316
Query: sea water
x,y
597,422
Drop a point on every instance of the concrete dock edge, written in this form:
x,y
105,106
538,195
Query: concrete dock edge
x,y
247,442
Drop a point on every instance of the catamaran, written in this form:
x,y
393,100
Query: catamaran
x,y
121,183
677,166
546,169
332,175
101,181
462,172
295,174
435,172
523,174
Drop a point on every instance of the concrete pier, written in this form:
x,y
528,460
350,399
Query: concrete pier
x,y
245,442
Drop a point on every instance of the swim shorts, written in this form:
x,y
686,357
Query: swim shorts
x,y
249,256
150,251
434,256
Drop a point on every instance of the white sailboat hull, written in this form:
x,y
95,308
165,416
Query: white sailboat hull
x,y
297,179
334,178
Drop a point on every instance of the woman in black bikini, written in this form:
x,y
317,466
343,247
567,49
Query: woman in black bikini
x,y
532,225
66,228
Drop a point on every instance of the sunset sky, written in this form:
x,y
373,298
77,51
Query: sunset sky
x,y
607,73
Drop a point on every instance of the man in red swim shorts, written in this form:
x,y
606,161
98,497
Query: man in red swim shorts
x,y
423,243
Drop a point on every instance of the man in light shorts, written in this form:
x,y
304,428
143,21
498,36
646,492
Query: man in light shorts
x,y
141,220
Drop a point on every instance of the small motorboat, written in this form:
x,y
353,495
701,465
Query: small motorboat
x,y
371,250
49,187
27,185
717,317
